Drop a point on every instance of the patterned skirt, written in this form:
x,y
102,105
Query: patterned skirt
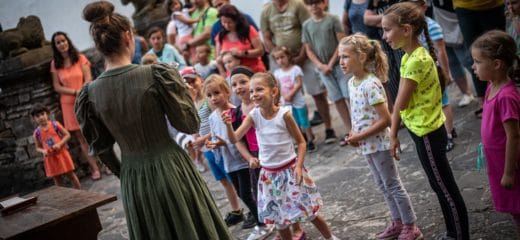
x,y
282,202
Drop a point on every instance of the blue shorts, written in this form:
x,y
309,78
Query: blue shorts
x,y
445,99
301,117
336,83
217,169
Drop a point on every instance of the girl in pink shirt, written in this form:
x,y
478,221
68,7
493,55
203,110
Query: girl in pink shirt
x,y
495,60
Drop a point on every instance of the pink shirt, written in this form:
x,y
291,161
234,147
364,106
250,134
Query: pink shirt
x,y
255,64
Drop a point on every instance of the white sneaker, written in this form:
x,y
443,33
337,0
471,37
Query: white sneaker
x,y
465,100
200,167
260,233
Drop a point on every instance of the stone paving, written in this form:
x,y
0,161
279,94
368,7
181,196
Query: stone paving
x,y
353,206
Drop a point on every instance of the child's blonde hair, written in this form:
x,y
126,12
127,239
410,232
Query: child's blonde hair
x,y
499,45
408,13
376,60
216,80
149,59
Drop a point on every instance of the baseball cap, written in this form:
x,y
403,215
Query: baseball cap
x,y
189,73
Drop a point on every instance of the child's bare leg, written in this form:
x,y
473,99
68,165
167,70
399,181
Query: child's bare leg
x,y
285,233
310,134
322,226
74,179
231,194
58,181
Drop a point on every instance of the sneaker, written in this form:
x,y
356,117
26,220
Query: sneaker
x,y
311,147
330,136
450,145
234,217
249,222
454,133
316,119
261,232
410,232
465,100
392,231
199,165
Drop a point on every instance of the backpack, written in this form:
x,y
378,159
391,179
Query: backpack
x,y
236,121
55,126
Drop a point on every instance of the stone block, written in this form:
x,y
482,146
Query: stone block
x,y
21,155
23,98
6,134
6,157
46,92
23,127
9,101
31,150
22,141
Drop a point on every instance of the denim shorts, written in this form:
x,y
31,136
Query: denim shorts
x,y
445,99
217,169
336,83
301,117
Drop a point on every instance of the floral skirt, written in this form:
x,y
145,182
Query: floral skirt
x,y
282,202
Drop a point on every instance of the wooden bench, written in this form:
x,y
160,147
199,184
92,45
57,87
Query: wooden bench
x,y
60,213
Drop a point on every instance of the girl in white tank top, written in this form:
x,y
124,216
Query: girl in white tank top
x,y
286,194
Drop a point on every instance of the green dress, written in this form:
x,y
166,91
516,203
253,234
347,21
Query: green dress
x,y
164,196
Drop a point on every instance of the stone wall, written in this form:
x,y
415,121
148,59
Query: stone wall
x,y
21,167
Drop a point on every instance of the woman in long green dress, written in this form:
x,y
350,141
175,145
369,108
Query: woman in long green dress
x,y
163,195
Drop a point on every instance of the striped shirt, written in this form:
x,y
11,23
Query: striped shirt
x,y
435,31
204,112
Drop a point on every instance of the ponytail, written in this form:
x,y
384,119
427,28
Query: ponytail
x,y
380,61
443,78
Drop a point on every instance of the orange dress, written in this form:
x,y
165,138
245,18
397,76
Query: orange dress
x,y
70,77
56,162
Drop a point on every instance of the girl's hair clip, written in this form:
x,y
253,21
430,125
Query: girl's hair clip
x,y
499,50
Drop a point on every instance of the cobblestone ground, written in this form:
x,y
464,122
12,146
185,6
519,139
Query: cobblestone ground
x,y
354,208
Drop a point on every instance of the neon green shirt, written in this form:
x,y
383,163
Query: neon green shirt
x,y
209,17
424,112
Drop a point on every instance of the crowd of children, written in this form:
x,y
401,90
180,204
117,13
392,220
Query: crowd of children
x,y
255,130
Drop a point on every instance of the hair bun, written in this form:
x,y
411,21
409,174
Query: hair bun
x,y
98,12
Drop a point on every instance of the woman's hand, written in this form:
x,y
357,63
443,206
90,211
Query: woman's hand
x,y
507,181
395,147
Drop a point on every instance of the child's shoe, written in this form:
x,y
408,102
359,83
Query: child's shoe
x,y
249,222
234,217
311,147
392,231
410,232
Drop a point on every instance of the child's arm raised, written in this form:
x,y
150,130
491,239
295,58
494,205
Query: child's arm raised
x,y
233,136
64,139
406,88
378,126
511,164
293,129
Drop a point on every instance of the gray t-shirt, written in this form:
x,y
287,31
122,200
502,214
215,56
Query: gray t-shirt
x,y
286,26
321,36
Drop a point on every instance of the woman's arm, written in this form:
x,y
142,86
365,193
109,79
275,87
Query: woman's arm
x,y
186,20
218,58
404,94
87,74
372,19
256,51
296,134
512,153
61,89
345,22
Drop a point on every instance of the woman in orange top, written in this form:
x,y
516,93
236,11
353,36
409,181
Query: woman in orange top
x,y
50,138
70,70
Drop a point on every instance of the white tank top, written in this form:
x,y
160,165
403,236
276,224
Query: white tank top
x,y
275,143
